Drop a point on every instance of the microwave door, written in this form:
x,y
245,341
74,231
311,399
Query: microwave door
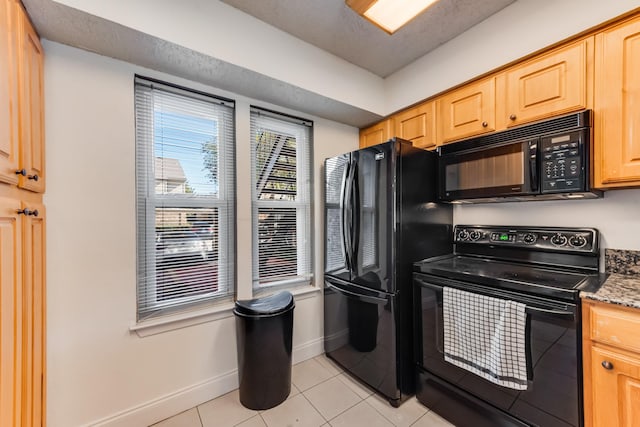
x,y
509,169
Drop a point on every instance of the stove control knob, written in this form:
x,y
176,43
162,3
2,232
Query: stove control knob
x,y
559,239
475,235
529,238
577,241
463,235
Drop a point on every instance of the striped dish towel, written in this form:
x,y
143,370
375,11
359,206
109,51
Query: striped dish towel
x,y
486,336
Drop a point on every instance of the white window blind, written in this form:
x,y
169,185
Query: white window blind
x,y
281,199
185,197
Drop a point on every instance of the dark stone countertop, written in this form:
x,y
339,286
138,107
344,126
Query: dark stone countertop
x,y
622,287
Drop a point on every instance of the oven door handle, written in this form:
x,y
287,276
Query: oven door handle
x,y
530,309
428,285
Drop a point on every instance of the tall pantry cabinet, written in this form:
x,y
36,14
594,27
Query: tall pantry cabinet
x,y
22,221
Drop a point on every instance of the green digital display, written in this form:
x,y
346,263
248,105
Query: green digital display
x,y
504,237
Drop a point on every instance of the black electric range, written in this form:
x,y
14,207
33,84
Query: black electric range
x,y
543,268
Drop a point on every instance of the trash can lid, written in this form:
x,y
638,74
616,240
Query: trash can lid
x,y
266,305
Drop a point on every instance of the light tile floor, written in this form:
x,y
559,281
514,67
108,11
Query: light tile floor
x,y
321,395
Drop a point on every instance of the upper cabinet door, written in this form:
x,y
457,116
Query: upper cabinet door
x,y
617,106
467,111
418,125
548,85
8,95
31,106
376,134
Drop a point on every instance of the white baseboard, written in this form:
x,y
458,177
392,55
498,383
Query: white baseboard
x,y
181,400
308,350
171,404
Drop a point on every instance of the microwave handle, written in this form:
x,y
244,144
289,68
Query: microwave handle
x,y
533,164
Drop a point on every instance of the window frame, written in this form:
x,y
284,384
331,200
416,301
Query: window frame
x,y
147,303
301,130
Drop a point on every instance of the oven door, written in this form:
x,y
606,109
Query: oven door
x,y
555,380
498,170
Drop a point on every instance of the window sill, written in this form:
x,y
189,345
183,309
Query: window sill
x,y
182,320
305,292
196,317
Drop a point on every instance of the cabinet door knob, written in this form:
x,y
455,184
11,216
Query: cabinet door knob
x,y
607,365
22,172
512,117
28,212
485,124
33,177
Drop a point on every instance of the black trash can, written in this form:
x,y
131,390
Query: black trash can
x,y
264,329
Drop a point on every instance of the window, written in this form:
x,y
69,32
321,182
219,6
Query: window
x,y
185,197
281,199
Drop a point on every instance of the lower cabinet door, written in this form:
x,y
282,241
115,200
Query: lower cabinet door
x,y
10,312
615,388
34,315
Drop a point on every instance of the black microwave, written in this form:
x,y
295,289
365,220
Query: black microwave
x,y
540,161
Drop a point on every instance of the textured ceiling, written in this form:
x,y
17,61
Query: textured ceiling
x,y
327,24
334,27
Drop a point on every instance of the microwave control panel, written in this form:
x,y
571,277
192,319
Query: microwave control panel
x,y
563,161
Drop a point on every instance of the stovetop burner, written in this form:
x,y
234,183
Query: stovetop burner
x,y
546,261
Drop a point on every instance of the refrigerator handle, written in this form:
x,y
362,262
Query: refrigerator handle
x,y
364,298
355,223
344,206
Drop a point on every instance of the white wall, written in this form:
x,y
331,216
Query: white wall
x,y
99,371
522,28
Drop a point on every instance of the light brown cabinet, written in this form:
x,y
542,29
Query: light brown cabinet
x,y
418,125
33,318
31,72
10,312
376,134
550,84
21,98
22,236
8,94
467,111
22,320
556,82
611,337
616,105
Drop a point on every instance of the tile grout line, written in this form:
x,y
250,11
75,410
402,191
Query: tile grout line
x,y
337,415
314,407
382,415
200,416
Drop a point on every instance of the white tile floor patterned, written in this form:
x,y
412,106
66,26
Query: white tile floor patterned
x,y
321,396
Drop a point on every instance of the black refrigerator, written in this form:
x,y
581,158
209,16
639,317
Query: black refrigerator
x,y
381,215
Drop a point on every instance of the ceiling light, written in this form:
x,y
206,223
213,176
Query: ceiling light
x,y
389,14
